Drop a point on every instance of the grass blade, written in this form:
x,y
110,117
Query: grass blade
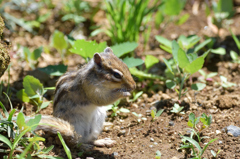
x,y
68,152
6,141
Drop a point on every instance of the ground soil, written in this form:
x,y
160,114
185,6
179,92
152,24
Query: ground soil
x,y
142,139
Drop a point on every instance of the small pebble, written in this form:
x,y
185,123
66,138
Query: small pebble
x,y
150,146
122,132
220,142
115,154
151,139
171,123
218,132
155,143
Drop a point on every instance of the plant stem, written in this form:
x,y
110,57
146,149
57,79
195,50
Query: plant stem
x,y
181,86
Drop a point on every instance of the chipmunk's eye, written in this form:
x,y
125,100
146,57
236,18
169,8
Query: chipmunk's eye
x,y
117,75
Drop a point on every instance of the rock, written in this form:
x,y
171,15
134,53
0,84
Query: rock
x,y
171,123
174,157
122,132
89,158
115,154
165,96
232,130
220,142
218,132
134,105
151,139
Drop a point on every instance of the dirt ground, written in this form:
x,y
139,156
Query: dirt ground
x,y
142,139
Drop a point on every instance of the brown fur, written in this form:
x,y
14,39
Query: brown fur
x,y
80,94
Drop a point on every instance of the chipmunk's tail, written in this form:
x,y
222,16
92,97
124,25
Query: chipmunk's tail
x,y
53,125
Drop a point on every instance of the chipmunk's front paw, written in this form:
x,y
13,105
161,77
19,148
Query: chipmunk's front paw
x,y
104,142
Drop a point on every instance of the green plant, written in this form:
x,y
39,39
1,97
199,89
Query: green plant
x,y
27,8
206,77
116,110
126,18
225,84
214,153
33,92
59,42
32,57
158,155
188,44
135,96
139,116
185,64
54,70
169,12
155,114
177,109
12,134
68,152
195,130
74,9
235,57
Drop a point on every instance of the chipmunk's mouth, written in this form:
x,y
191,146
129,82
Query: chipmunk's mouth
x,y
124,92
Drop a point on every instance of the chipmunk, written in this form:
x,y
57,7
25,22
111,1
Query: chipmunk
x,y
80,96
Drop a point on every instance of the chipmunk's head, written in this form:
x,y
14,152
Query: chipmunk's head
x,y
114,79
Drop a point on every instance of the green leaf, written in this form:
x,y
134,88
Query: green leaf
x,y
54,70
87,49
210,75
32,86
213,153
33,123
140,74
165,48
202,73
4,110
168,65
124,110
173,7
36,53
182,59
11,114
6,141
27,53
170,84
205,147
48,149
236,40
234,55
192,141
175,48
23,96
150,61
123,48
200,46
21,122
159,112
219,51
68,152
132,62
183,19
196,64
153,113
192,57
206,120
58,40
164,41
198,86
191,120
44,105
136,96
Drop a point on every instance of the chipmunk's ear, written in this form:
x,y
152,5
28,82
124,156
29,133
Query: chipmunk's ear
x,y
97,59
108,50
